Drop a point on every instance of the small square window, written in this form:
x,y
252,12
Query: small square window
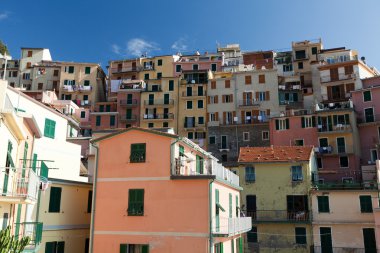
x,y
190,135
245,136
195,66
165,124
212,140
159,62
146,76
367,96
201,120
71,69
177,68
150,125
83,114
138,153
314,50
343,161
265,135
213,67
298,142
300,65
200,104
159,75
87,70
189,104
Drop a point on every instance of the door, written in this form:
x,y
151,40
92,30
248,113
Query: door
x,y
369,240
251,206
248,117
297,207
129,99
340,142
326,242
128,114
224,142
151,99
200,90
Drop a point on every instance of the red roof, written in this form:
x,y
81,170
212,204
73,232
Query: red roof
x,y
275,154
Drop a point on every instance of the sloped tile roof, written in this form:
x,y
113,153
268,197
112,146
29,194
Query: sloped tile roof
x,y
274,154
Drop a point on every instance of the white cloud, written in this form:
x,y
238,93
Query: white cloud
x,y
137,47
116,49
180,45
4,15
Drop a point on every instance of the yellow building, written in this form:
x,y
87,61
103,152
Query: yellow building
x,y
276,182
65,209
159,99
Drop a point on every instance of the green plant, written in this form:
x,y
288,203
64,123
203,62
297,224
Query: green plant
x,y
3,48
9,244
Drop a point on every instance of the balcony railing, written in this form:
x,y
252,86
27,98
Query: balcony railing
x,y
128,102
334,128
334,106
337,59
279,216
323,150
184,167
159,102
128,118
34,231
124,69
159,116
289,87
153,88
249,102
19,185
231,226
340,77
346,185
194,94
74,88
321,249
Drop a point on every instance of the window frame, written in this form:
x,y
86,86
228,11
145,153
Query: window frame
x,y
134,149
363,207
136,203
340,162
250,174
244,136
364,96
323,204
264,133
297,173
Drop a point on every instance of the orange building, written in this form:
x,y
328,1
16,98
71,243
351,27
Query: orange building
x,y
157,192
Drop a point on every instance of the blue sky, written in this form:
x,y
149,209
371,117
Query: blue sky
x,y
98,31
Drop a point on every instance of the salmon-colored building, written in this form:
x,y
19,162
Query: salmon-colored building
x,y
157,192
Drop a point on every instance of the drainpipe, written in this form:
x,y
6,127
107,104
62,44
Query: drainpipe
x,y
93,200
211,239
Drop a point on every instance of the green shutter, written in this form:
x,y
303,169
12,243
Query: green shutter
x,y
369,240
300,235
347,119
112,120
230,205
221,248
232,245
49,130
55,199
44,170
323,204
329,123
138,152
123,248
181,150
237,206
335,120
136,202
89,202
171,85
87,70
325,237
50,247
303,122
18,219
217,210
145,249
61,247
366,204
241,245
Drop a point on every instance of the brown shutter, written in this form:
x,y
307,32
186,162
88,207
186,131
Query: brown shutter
x,y
255,114
341,89
227,84
232,98
268,112
348,70
216,99
224,118
350,87
334,74
217,116
213,84
329,92
257,96
207,117
242,117
267,96
261,78
248,80
233,116
223,98
208,99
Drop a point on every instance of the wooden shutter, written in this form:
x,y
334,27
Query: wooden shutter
x,y
55,199
213,84
348,69
217,116
261,78
350,87
60,247
255,114
303,122
223,98
248,80
268,112
230,205
145,249
207,117
242,117
216,99
224,117
257,96
50,247
227,84
208,99
267,96
232,98
341,90
233,116
334,74
329,92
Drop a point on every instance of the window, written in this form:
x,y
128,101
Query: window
x,y
83,114
265,135
369,116
138,153
343,161
252,235
282,124
189,104
26,76
201,120
250,174
86,83
319,163
30,53
227,84
150,125
301,54
112,120
28,65
56,72
213,99
213,85
134,248
367,96
323,204
341,144
177,68
165,124
307,122
261,95
190,135
211,140
200,104
365,204
136,202
87,70
98,120
40,86
245,136
195,66
159,62
248,79
171,85
261,78
146,76
55,247
297,173
218,247
373,153
314,50
323,142
85,97
298,142
89,202
71,69
49,130
300,235
348,70
300,65
159,75
55,199
213,67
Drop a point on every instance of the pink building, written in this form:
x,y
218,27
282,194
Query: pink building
x,y
104,116
157,192
367,108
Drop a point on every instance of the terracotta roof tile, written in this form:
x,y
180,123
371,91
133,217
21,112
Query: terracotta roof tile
x,y
275,154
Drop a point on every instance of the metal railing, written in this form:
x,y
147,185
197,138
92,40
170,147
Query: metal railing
x,y
321,249
33,230
231,226
279,215
336,59
194,94
340,77
334,106
159,102
125,69
249,102
159,116
128,118
19,183
157,88
346,185
128,102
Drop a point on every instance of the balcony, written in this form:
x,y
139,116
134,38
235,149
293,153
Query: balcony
x,y
327,60
194,94
128,102
148,67
128,118
124,69
289,87
84,88
368,119
346,185
34,231
159,102
340,77
231,226
319,249
159,116
334,128
248,103
129,84
153,88
334,106
300,56
19,186
184,167
323,150
279,216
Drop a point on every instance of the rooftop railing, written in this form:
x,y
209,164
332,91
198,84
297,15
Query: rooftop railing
x,y
231,226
